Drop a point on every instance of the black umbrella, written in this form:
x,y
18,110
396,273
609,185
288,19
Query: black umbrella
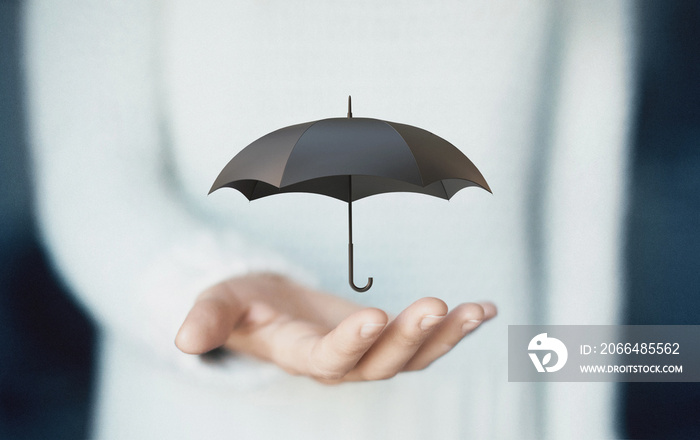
x,y
349,159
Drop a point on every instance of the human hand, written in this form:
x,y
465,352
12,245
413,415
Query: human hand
x,y
322,336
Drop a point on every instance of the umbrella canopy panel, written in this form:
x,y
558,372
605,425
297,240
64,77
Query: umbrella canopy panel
x,y
316,157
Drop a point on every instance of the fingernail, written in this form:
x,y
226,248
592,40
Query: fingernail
x,y
370,330
470,325
430,321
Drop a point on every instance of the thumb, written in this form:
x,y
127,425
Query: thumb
x,y
211,320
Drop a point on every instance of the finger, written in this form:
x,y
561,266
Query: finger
x,y
490,310
337,353
460,322
400,340
210,321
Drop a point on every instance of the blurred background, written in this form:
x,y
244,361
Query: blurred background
x,y
663,238
47,343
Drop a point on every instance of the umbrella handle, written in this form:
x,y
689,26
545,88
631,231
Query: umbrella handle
x,y
350,253
352,282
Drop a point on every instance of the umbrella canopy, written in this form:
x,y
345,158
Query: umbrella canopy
x,y
349,159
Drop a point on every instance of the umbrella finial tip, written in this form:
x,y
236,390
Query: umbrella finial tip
x,y
349,106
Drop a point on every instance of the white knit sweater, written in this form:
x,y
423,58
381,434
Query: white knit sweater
x,y
135,106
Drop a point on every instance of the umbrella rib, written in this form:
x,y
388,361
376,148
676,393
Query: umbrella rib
x,y
415,161
255,187
442,182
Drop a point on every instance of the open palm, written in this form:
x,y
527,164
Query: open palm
x,y
307,332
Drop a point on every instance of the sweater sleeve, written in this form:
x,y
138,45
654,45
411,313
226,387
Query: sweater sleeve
x,y
118,232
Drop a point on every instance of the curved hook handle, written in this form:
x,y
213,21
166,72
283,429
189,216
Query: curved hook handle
x,y
370,280
362,289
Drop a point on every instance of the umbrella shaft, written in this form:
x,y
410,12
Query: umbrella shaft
x,y
350,209
350,222
351,258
